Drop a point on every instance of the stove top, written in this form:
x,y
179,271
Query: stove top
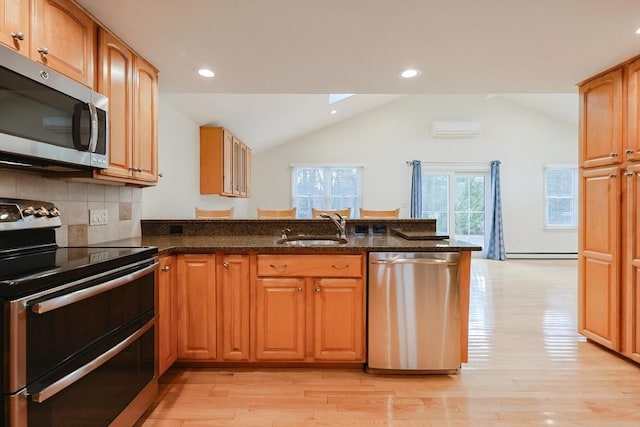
x,y
30,272
30,259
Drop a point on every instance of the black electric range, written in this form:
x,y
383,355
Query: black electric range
x,y
31,261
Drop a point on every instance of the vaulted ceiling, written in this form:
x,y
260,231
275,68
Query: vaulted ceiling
x,y
278,59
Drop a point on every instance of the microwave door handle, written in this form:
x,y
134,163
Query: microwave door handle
x,y
93,141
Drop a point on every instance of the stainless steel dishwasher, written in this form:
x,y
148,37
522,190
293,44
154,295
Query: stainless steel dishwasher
x,y
413,312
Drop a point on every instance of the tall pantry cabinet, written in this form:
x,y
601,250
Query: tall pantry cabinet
x,y
609,245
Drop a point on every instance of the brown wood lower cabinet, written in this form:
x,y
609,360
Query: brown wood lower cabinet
x,y
310,308
280,318
167,324
233,307
197,313
338,329
243,308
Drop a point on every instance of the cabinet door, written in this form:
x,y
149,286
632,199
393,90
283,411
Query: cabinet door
x,y
14,24
167,313
598,268
145,122
115,80
338,319
280,319
196,307
632,146
601,120
64,39
248,174
632,263
234,307
227,163
236,168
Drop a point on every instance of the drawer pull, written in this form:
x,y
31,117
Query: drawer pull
x,y
340,266
166,268
279,267
300,290
318,289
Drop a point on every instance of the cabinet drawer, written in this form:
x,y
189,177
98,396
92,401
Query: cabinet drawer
x,y
310,265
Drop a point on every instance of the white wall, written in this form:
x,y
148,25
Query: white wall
x,y
384,139
178,191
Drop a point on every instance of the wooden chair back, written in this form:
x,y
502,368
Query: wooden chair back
x,y
345,213
214,214
368,213
275,213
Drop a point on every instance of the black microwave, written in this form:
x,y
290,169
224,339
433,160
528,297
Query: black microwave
x,y
48,120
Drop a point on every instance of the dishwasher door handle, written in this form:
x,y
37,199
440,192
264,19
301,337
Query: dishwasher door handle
x,y
415,261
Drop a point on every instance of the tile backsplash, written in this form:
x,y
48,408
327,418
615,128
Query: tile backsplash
x,y
75,200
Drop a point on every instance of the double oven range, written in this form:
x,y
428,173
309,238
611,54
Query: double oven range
x,y
77,326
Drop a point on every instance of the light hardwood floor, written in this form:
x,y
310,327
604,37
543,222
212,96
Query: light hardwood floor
x,y
527,367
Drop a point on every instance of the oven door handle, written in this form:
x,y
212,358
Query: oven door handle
x,y
82,294
85,370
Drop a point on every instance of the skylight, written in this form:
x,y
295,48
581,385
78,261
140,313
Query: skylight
x,y
335,97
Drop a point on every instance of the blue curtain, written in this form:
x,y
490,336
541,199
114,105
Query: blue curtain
x,y
495,246
416,189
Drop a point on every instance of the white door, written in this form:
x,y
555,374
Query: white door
x,y
458,200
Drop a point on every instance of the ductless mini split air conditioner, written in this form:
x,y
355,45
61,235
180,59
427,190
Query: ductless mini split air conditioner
x,y
455,129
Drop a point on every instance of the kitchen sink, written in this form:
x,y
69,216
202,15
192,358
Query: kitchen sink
x,y
310,241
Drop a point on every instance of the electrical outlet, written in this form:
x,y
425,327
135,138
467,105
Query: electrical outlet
x,y
98,216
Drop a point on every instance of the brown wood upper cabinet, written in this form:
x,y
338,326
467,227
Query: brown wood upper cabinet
x,y
64,39
130,83
56,33
15,17
601,120
632,143
225,163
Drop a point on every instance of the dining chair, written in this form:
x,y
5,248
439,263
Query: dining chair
x,y
368,213
275,213
214,214
345,213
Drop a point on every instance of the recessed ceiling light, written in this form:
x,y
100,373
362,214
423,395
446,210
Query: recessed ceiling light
x,y
205,72
410,73
334,111
638,31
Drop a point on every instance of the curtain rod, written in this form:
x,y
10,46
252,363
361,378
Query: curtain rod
x,y
410,162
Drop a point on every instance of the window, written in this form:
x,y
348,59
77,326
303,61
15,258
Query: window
x,y
561,196
326,187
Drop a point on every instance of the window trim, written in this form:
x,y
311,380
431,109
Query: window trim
x,y
545,200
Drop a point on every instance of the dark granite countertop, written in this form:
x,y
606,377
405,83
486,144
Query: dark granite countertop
x,y
242,236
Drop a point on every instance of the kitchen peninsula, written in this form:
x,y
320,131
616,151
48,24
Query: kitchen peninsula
x,y
232,294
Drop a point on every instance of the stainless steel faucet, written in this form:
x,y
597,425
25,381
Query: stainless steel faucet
x,y
340,223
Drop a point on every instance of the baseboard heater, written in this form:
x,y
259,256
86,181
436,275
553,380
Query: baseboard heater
x,y
542,255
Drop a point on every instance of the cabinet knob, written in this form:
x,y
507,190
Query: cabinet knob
x,y
225,264
318,289
166,268
613,175
18,36
614,155
43,51
300,290
628,151
628,174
